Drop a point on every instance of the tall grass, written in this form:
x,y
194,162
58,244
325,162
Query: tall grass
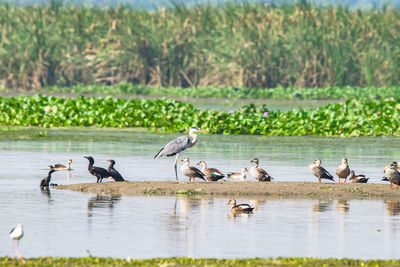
x,y
247,45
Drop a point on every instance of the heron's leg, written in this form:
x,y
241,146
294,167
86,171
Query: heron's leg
x,y
175,167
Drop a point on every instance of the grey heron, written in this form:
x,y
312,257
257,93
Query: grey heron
x,y
113,172
319,171
190,171
211,174
178,145
99,172
16,234
357,178
343,170
393,175
258,173
61,167
239,208
238,175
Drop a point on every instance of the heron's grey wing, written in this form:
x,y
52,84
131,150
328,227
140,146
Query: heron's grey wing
x,y
175,146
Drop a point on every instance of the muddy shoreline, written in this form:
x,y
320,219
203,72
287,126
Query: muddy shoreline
x,y
256,189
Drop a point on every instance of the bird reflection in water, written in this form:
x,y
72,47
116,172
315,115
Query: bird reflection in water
x,y
103,201
322,206
342,206
392,207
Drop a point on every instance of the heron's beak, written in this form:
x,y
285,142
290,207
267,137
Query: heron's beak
x,y
226,204
203,131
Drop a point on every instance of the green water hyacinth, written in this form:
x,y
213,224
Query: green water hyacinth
x,y
350,118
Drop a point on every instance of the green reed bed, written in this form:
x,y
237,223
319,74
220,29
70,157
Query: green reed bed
x,y
350,118
96,261
334,93
247,45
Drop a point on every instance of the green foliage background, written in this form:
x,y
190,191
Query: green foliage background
x,y
247,45
350,118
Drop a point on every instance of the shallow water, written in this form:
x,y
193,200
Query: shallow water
x,y
65,223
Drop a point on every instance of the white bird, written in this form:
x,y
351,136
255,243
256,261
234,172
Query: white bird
x,y
16,234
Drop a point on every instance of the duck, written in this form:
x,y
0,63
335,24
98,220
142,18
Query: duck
x,y
99,172
211,174
190,171
237,175
357,178
384,170
258,173
60,167
239,208
393,175
45,182
113,172
343,170
319,171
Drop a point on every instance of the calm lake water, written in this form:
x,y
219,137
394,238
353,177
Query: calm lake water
x,y
64,223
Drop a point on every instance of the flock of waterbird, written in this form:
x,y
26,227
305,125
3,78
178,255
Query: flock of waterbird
x,y
178,145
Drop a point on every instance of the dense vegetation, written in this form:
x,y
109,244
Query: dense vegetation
x,y
350,118
95,261
246,45
366,93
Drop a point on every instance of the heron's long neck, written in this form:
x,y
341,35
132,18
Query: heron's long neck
x,y
69,165
194,139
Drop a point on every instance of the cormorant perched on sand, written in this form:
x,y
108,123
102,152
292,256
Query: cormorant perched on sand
x,y
113,172
99,172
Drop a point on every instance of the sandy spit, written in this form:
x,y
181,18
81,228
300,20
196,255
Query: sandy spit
x,y
260,189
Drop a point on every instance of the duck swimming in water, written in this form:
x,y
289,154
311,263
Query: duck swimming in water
x,y
99,172
190,171
211,174
237,175
60,167
319,171
113,172
239,208
258,173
